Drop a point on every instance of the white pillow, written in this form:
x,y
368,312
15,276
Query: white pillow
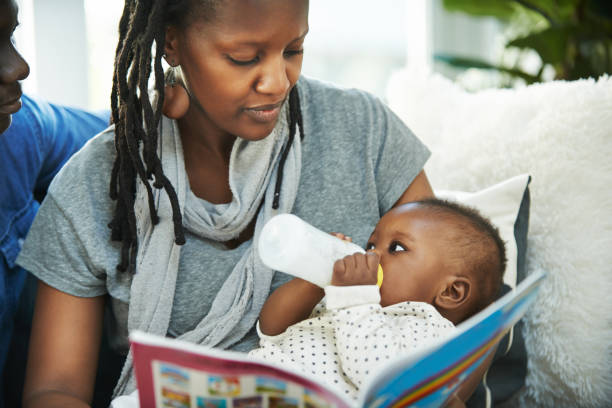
x,y
500,203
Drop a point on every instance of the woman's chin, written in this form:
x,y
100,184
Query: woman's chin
x,y
255,133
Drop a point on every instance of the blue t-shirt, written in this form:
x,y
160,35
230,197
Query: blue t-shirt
x,y
41,138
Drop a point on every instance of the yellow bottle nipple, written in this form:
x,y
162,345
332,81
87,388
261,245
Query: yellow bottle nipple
x,y
380,276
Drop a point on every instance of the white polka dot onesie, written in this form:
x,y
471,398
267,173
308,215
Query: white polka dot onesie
x,y
349,335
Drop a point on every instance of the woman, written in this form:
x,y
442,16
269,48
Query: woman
x,y
243,137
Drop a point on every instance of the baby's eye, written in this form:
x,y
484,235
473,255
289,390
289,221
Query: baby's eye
x,y
396,247
370,246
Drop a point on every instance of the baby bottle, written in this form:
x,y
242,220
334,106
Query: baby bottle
x,y
289,244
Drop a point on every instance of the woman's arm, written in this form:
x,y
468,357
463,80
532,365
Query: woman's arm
x,y
64,346
289,304
417,190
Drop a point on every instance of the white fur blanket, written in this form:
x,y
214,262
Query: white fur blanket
x,y
561,134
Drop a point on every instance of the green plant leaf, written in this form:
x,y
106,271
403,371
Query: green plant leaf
x,y
555,11
559,11
503,10
551,43
577,40
466,63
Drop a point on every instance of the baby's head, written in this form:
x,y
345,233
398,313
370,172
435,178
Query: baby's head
x,y
442,253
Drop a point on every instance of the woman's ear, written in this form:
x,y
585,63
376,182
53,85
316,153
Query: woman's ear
x,y
455,292
171,46
176,98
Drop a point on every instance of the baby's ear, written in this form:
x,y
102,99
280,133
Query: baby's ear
x,y
455,292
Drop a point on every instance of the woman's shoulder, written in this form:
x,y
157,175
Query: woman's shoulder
x,y
327,104
87,173
318,91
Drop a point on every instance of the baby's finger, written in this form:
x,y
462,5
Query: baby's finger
x,y
360,261
372,260
353,261
339,267
340,273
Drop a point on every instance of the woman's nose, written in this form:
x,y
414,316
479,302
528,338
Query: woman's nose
x,y
274,78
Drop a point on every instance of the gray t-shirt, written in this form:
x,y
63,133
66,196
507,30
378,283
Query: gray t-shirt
x,y
357,160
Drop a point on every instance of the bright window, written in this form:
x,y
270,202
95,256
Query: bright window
x,y
350,43
353,43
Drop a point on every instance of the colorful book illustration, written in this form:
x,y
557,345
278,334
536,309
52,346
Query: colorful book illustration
x,y
173,373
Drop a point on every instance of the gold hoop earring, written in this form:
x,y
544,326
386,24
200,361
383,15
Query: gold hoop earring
x,y
176,98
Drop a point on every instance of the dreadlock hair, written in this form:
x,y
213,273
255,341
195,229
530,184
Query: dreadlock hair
x,y
143,26
476,245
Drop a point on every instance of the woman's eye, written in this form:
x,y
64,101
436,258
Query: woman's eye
x,y
370,246
293,53
243,62
396,247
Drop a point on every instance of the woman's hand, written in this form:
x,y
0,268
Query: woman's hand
x,y
455,402
342,236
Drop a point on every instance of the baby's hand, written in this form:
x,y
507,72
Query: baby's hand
x,y
356,269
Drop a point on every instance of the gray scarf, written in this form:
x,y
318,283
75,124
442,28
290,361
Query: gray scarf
x,y
252,175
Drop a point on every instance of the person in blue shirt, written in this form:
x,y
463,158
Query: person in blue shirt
x,y
36,139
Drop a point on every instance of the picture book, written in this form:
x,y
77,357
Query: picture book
x,y
173,373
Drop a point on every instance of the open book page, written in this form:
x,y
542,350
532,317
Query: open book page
x,y
172,373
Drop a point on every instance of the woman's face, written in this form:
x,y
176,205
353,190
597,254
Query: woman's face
x,y
240,66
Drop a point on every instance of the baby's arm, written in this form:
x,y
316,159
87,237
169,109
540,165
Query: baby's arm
x,y
354,300
289,304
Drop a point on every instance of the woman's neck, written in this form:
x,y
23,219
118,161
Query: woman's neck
x,y
206,151
199,134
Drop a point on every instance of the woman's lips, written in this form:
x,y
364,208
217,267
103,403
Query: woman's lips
x,y
264,114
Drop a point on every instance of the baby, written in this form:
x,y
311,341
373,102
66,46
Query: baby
x,y
442,262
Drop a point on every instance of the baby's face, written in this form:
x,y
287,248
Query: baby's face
x,y
410,242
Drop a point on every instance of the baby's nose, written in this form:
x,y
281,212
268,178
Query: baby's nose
x,y
375,250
